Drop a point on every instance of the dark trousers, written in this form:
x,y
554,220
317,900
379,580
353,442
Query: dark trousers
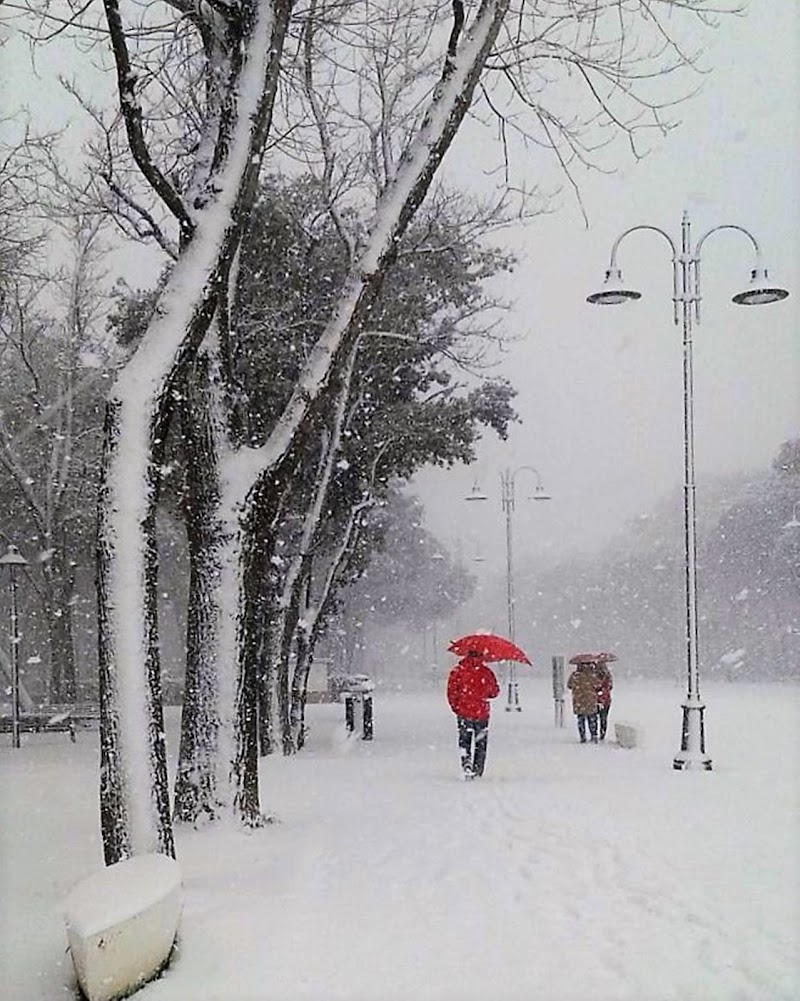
x,y
591,719
602,716
473,736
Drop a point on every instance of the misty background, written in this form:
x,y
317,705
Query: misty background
x,y
600,389
600,392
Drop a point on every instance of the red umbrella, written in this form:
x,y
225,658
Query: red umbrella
x,y
593,658
489,646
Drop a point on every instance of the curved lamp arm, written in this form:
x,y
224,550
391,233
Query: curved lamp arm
x,y
615,292
634,229
509,478
530,469
757,269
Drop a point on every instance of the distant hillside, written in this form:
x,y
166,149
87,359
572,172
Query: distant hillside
x,y
630,597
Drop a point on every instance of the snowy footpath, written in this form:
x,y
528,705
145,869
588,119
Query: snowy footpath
x,y
568,872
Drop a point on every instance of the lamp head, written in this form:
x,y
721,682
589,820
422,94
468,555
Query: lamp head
x,y
613,291
540,494
476,494
13,557
760,291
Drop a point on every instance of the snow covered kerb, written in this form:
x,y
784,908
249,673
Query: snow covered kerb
x,y
121,924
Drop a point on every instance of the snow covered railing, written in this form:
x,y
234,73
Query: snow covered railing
x,y
627,734
121,924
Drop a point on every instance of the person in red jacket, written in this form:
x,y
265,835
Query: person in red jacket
x,y
470,685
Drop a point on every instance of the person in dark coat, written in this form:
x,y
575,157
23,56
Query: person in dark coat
x,y
470,685
583,685
605,682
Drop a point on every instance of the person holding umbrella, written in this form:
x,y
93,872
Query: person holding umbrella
x,y
605,683
589,690
470,685
583,685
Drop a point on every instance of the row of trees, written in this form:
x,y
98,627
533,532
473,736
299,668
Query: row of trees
x,y
54,382
369,99
408,407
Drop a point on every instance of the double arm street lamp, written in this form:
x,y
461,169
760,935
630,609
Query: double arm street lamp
x,y
507,481
13,559
686,307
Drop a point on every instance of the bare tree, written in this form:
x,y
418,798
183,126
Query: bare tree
x,y
50,424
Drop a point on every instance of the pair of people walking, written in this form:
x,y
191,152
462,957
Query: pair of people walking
x,y
591,683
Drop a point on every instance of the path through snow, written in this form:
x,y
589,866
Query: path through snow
x,y
568,872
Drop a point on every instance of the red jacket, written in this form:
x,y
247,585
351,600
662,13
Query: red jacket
x,y
605,684
469,687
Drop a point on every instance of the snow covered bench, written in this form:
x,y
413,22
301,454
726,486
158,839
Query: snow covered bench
x,y
66,717
121,924
627,734
41,721
84,715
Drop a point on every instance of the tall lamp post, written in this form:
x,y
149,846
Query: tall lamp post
x,y
507,481
686,307
13,559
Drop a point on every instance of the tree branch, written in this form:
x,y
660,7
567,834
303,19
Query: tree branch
x,y
132,116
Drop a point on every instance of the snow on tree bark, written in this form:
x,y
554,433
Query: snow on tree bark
x,y
195,782
134,797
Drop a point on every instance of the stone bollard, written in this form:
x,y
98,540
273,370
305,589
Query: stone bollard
x,y
558,690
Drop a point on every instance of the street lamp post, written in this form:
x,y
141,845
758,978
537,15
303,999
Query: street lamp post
x,y
686,307
507,499
13,559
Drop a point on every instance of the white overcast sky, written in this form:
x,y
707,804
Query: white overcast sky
x,y
600,389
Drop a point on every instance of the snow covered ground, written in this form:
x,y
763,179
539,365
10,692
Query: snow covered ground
x,y
568,872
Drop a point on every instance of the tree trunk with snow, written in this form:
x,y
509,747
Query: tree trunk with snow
x,y
195,782
134,798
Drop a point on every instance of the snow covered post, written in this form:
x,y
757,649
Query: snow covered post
x,y
558,690
349,712
367,719
13,559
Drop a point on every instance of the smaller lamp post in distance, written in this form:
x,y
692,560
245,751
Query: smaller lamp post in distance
x,y
507,498
13,559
